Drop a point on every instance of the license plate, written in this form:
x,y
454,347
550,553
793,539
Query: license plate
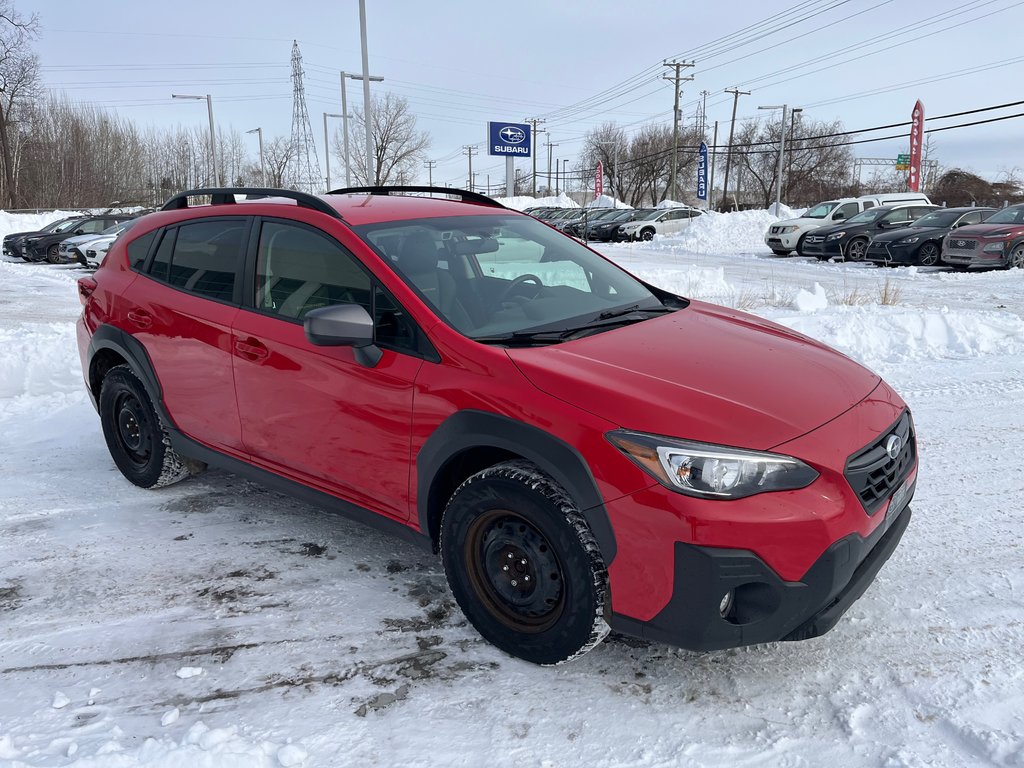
x,y
898,500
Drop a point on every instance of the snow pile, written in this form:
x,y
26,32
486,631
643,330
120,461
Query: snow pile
x,y
880,334
29,222
41,367
702,283
606,201
672,204
714,233
522,202
806,301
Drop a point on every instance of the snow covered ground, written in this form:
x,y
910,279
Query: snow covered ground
x,y
216,623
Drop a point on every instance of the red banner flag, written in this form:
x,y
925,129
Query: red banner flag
x,y
599,181
916,141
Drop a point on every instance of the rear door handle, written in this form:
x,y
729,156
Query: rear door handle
x,y
140,318
251,349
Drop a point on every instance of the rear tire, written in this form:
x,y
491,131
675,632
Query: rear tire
x,y
524,566
135,436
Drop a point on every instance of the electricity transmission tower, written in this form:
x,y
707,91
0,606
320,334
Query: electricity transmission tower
x,y
305,167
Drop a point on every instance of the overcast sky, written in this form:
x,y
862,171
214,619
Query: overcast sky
x,y
461,63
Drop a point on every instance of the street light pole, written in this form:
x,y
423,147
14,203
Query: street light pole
x,y
782,151
263,167
213,133
327,149
367,117
789,163
346,117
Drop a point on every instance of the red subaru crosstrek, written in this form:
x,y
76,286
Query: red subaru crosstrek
x,y
585,450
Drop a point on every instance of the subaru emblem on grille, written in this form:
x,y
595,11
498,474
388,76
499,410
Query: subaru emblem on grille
x,y
893,445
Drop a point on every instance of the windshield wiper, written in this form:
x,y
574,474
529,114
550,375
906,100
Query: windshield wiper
x,y
613,313
527,338
604,320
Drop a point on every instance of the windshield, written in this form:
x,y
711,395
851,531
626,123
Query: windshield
x,y
652,214
494,275
63,226
821,210
938,219
866,217
1014,215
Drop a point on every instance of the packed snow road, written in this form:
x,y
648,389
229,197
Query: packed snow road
x,y
217,623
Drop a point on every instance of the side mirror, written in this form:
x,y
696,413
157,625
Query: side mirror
x,y
344,325
79,231
838,216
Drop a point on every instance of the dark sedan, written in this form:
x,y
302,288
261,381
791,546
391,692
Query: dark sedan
x,y
608,229
43,245
14,243
921,242
850,239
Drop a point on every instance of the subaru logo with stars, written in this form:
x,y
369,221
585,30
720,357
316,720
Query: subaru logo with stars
x,y
512,135
893,446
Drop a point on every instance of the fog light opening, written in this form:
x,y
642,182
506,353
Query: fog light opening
x,y
726,605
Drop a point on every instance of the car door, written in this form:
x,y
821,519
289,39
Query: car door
x,y
313,413
182,308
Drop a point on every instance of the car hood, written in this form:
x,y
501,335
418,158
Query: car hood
x,y
892,235
843,227
704,373
986,230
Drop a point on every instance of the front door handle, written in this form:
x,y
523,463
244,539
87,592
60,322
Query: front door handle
x,y
251,349
140,318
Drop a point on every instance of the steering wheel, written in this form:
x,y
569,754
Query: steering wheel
x,y
516,283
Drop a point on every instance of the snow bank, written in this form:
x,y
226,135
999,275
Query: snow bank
x,y
40,367
522,202
672,204
607,201
878,334
714,233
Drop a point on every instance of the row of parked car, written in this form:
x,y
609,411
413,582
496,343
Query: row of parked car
x,y
901,229
81,239
617,224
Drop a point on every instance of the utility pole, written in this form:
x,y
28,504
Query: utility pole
x,y
736,92
704,114
430,171
676,65
533,147
789,165
714,153
549,145
782,152
469,149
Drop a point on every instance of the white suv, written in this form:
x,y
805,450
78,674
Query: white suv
x,y
664,221
786,236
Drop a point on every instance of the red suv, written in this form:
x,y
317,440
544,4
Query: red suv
x,y
586,451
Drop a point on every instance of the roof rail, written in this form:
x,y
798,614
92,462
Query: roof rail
x,y
226,196
474,197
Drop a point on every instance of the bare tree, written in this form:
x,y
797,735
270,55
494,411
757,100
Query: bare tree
x,y
19,80
398,147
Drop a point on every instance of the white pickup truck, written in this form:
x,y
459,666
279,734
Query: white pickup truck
x,y
786,236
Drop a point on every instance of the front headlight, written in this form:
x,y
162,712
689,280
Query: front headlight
x,y
913,239
836,236
787,230
712,471
993,248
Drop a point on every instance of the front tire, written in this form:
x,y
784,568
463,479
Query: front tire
x,y
524,566
1016,258
857,249
647,234
781,253
135,436
928,255
53,254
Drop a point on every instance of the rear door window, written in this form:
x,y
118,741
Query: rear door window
x,y
202,257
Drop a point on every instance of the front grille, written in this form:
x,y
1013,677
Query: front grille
x,y
878,248
873,474
775,230
956,244
814,239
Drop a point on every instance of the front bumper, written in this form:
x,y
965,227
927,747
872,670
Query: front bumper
x,y
782,241
892,253
764,608
821,248
972,257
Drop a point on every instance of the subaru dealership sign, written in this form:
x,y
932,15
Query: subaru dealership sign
x,y
702,172
509,139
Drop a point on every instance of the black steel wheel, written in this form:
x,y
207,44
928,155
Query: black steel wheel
x,y
857,249
928,254
135,437
523,564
